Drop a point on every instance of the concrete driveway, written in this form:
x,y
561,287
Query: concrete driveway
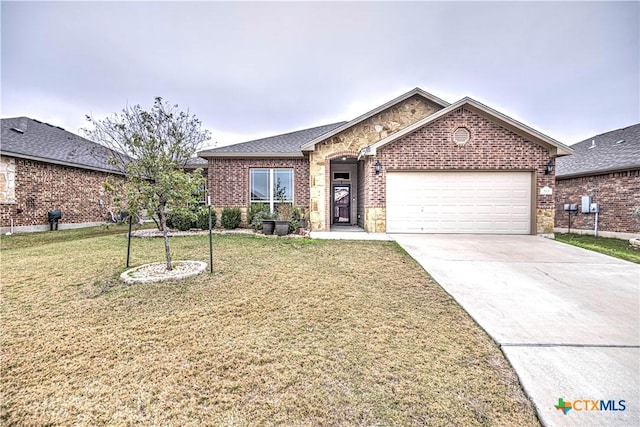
x,y
566,318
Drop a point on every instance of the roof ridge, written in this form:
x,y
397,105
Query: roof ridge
x,y
606,133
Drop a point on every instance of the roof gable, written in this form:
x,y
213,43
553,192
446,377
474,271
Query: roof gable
x,y
28,138
555,147
309,146
611,151
284,145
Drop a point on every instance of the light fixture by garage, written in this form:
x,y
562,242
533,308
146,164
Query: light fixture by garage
x,y
378,167
548,168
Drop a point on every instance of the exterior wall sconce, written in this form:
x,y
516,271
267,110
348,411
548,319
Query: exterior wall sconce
x,y
549,167
378,167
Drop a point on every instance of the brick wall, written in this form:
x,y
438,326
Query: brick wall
x,y
491,147
228,179
618,194
41,187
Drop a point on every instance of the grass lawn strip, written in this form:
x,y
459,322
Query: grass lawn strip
x,y
613,247
294,332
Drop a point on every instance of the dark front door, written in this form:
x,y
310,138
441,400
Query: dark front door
x,y
342,204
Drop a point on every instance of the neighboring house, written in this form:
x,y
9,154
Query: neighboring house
x,y
606,168
415,164
199,163
45,168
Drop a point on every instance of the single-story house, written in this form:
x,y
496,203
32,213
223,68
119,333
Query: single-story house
x,y
46,168
605,168
415,164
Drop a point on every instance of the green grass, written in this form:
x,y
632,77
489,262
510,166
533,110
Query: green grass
x,y
285,332
614,247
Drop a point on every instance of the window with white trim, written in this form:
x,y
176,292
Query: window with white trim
x,y
271,186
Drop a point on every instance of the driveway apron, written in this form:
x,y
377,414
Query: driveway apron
x,y
566,318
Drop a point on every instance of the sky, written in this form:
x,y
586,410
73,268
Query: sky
x,y
254,69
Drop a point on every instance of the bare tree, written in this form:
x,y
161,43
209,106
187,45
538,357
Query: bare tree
x,y
151,149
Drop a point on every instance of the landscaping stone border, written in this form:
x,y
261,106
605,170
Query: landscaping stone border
x,y
157,272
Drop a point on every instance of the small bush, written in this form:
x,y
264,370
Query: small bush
x,y
258,212
230,218
181,218
202,218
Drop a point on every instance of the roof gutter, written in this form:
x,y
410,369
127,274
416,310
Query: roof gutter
x,y
598,172
251,155
61,163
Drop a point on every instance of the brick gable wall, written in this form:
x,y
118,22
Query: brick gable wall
x,y
617,193
491,147
41,187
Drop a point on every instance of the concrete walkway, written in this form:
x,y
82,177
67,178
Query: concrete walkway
x,y
348,233
566,318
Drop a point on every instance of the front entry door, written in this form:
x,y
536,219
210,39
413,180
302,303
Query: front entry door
x,y
342,204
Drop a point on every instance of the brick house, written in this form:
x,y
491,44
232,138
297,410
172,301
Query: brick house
x,y
45,168
414,164
606,168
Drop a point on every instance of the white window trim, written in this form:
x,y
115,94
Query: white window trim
x,y
272,175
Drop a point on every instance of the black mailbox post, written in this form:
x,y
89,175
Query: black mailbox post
x,y
54,217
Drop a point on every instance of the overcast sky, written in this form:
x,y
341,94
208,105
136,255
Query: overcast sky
x,y
247,70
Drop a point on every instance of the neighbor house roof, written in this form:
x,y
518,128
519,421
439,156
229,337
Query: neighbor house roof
x,y
196,162
556,148
285,145
309,146
32,139
608,152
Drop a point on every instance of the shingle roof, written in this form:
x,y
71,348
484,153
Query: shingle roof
x,y
196,162
28,138
603,153
288,144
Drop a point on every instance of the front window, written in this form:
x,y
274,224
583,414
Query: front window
x,y
271,186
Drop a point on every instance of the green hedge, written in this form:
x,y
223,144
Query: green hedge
x,y
184,218
230,218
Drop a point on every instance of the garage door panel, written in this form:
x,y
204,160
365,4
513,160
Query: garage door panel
x,y
459,202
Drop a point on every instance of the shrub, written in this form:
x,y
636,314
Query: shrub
x,y
284,211
230,218
258,218
181,218
258,212
202,218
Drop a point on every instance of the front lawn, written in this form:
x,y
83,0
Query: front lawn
x,y
614,247
286,332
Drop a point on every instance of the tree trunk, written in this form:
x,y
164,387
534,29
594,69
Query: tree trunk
x,y
162,216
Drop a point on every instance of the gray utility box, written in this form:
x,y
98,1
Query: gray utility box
x,y
594,208
570,206
586,204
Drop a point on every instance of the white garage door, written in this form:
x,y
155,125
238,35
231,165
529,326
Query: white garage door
x,y
459,202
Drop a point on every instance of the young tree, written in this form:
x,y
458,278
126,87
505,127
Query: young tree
x,y
151,149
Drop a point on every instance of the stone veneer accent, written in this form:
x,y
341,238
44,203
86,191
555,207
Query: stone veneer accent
x,y
228,181
618,194
7,180
41,187
490,148
348,143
